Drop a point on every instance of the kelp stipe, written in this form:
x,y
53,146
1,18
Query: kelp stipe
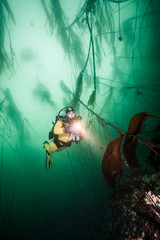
x,y
91,16
93,95
79,81
78,91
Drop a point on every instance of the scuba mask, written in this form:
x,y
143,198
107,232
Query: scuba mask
x,y
71,115
66,115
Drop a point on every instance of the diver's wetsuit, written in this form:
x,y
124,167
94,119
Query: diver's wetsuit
x,y
62,136
61,140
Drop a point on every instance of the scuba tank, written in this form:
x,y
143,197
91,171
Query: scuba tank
x,y
51,133
63,118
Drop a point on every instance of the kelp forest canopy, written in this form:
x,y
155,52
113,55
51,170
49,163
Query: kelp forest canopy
x,y
111,51
99,56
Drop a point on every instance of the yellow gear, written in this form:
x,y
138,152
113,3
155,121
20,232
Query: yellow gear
x,y
52,147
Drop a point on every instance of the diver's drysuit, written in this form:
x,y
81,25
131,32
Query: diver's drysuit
x,y
60,139
62,136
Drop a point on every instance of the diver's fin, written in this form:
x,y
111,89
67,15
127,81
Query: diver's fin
x,y
49,160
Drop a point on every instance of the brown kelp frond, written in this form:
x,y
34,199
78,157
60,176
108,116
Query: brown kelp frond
x,y
136,123
129,146
129,151
112,161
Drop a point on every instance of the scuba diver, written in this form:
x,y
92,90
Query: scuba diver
x,y
66,130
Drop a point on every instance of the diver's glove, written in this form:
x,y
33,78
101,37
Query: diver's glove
x,y
69,129
76,138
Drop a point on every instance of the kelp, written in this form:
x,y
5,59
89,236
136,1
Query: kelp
x,y
114,153
78,92
93,95
136,124
102,122
5,126
130,144
112,161
96,16
129,151
11,119
12,111
68,98
50,19
8,9
108,29
42,93
79,81
58,21
92,98
65,88
11,114
6,60
102,18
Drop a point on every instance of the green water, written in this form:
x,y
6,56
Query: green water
x,y
41,58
